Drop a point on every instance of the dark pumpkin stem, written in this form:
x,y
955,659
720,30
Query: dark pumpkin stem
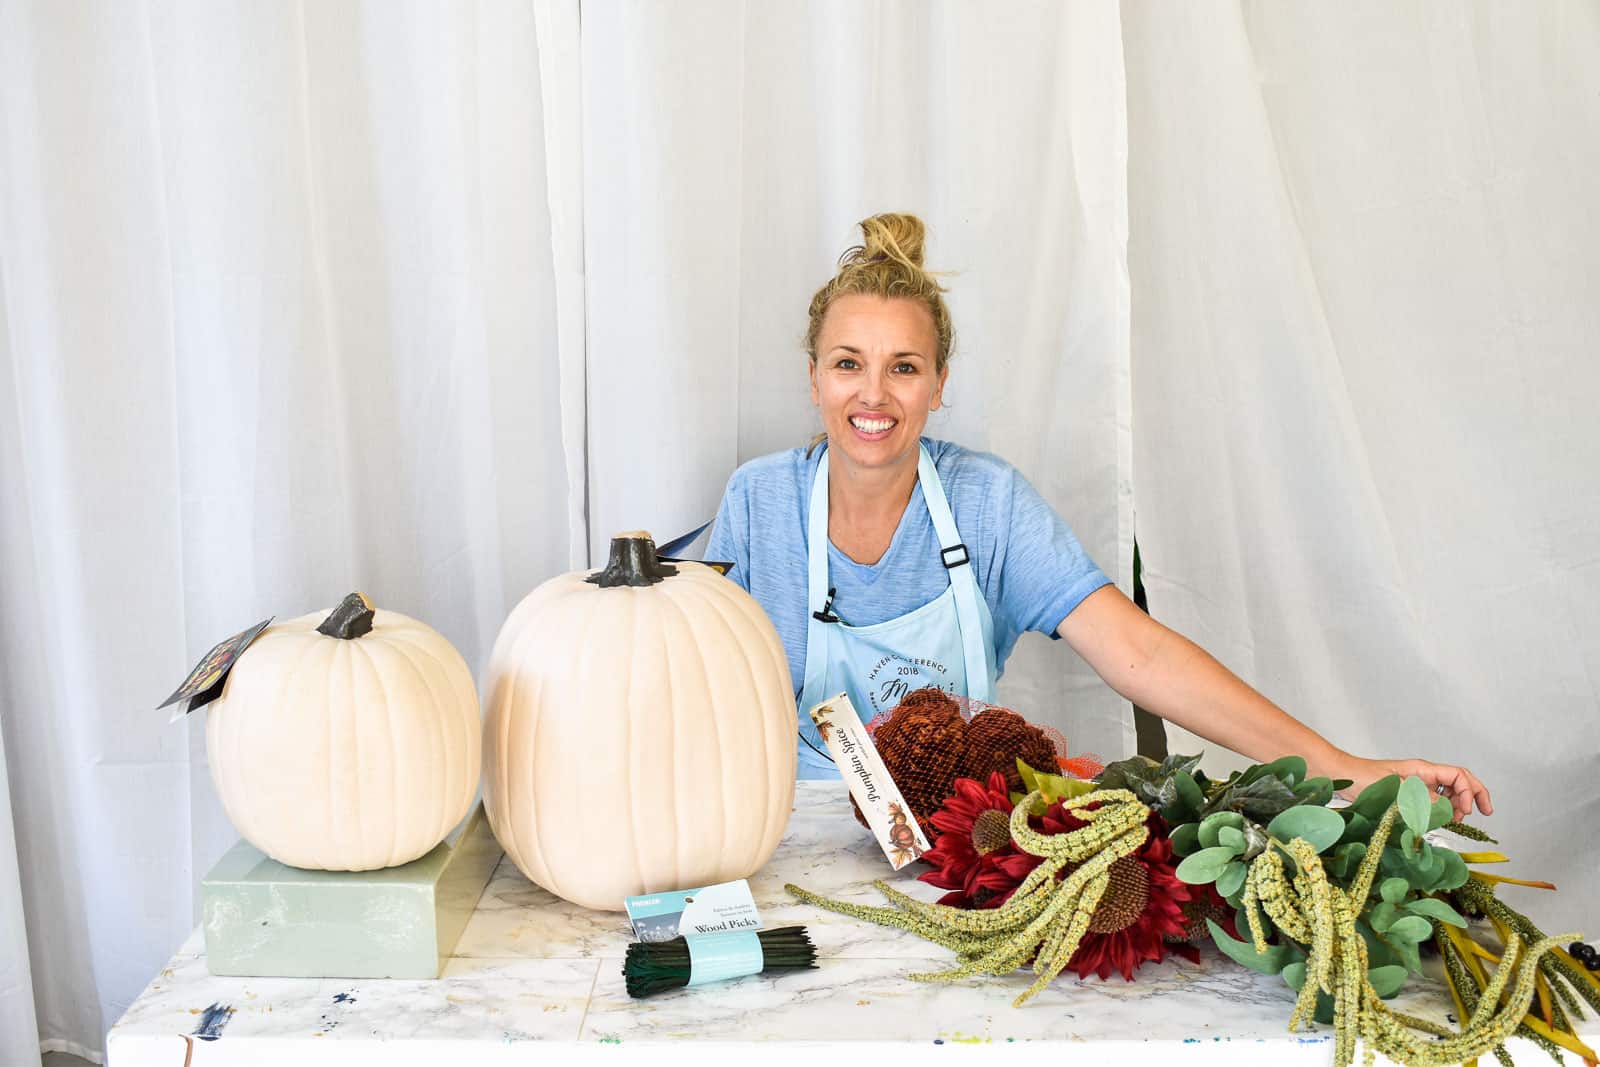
x,y
633,562
351,619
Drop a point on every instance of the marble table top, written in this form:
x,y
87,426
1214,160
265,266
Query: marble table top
x,y
531,967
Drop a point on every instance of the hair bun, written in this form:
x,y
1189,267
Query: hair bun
x,y
891,237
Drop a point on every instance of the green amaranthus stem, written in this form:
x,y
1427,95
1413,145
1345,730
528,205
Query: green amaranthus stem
x,y
1044,919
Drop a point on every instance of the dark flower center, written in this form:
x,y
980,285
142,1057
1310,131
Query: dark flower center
x,y
991,830
1125,898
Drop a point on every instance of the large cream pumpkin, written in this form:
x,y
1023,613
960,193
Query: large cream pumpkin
x,y
350,747
639,730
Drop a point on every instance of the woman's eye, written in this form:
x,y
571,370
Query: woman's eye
x,y
906,368
846,364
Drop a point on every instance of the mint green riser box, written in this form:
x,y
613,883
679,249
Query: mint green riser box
x,y
264,919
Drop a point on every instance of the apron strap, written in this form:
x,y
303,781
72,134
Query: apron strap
x,y
817,591
979,656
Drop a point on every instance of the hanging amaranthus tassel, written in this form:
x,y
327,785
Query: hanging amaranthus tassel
x,y
1312,910
1043,919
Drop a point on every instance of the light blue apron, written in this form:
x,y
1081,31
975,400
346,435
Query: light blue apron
x,y
947,642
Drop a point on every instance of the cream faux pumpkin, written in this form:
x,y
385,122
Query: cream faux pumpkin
x,y
350,747
639,730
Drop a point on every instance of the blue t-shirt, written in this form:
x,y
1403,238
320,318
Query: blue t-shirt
x,y
1028,563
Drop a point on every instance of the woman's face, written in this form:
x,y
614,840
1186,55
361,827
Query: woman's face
x,y
874,377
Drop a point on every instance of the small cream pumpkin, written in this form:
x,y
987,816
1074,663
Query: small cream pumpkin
x,y
639,733
347,741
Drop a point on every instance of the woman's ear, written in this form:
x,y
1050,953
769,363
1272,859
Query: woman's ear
x,y
938,390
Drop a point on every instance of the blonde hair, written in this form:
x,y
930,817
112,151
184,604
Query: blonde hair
x,y
887,263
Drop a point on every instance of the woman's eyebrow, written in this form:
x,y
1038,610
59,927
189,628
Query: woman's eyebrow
x,y
856,352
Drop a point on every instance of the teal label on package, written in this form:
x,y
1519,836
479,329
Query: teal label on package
x,y
717,957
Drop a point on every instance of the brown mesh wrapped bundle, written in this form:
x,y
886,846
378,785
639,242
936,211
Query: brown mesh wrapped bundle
x,y
926,744
996,739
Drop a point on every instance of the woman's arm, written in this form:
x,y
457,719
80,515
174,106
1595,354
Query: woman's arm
x,y
1162,670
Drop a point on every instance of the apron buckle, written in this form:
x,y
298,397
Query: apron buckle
x,y
949,565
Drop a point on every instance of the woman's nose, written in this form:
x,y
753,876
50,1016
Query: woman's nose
x,y
874,387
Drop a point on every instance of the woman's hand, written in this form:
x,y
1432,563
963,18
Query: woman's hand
x,y
1457,783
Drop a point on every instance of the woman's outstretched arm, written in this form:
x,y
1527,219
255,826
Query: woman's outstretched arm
x,y
1160,669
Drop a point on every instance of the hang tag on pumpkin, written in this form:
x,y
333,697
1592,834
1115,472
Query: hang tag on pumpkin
x,y
204,683
713,909
875,793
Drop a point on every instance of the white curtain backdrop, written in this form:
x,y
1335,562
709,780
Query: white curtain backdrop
x,y
431,299
292,305
1366,263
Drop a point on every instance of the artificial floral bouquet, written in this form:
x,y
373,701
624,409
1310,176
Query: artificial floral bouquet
x,y
1102,873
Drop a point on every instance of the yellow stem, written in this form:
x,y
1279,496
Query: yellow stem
x,y
1470,950
1570,1042
1492,879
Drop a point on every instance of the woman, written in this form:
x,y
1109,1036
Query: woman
x,y
888,561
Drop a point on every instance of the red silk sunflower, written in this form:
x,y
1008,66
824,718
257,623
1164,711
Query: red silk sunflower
x,y
1141,908
974,856
1141,917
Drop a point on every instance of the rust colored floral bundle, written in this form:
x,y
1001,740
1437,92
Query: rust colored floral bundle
x,y
927,745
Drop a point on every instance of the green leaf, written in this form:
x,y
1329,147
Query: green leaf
x,y
1321,827
1347,859
1159,795
1231,880
1442,811
1386,981
1186,838
1295,975
1211,825
1434,908
1030,777
1204,866
1289,769
1173,766
1394,890
1059,787
1409,929
1259,800
1406,952
1432,869
1394,864
1255,841
1316,791
1415,804
1230,837
1379,954
1052,786
1375,799
1189,793
1244,953
1455,871
1128,773
1384,916
1357,826
1342,783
